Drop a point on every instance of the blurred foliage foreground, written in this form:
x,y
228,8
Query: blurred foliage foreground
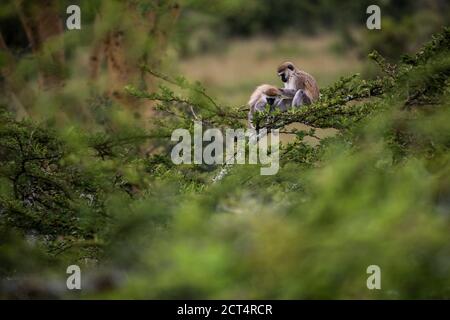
x,y
141,227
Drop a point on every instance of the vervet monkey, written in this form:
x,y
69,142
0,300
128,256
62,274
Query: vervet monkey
x,y
263,95
298,84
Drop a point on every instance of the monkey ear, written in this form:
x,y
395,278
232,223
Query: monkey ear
x,y
290,67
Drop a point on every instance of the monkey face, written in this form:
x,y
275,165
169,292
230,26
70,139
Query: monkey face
x,y
283,76
285,70
271,94
270,100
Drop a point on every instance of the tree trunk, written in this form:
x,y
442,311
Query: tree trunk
x,y
42,23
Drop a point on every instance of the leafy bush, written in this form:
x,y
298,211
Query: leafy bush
x,y
376,193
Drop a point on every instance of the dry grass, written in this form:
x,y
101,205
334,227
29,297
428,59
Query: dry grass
x,y
231,75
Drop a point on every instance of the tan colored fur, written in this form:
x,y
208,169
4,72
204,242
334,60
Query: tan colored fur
x,y
299,79
258,99
266,89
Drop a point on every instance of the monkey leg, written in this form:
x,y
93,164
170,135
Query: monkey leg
x,y
300,98
260,106
283,104
250,120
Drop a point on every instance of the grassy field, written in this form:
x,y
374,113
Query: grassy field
x,y
232,74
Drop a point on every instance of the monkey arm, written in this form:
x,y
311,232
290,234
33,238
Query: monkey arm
x,y
260,105
289,93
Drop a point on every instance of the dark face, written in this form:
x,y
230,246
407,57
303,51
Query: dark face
x,y
283,76
270,100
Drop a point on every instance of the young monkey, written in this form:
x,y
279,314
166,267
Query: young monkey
x,y
263,95
298,84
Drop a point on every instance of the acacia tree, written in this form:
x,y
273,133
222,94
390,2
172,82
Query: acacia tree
x,y
120,35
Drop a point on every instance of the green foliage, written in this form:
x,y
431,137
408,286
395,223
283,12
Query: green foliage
x,y
405,35
35,181
375,193
204,25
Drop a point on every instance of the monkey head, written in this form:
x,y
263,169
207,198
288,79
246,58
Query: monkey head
x,y
272,93
285,71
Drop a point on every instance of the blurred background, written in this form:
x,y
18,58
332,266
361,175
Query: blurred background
x,y
232,46
86,176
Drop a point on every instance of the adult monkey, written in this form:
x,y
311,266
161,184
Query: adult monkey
x,y
299,84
